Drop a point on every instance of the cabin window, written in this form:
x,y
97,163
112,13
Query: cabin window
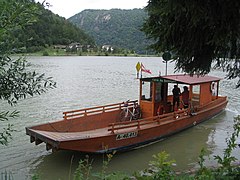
x,y
196,94
147,91
214,88
196,89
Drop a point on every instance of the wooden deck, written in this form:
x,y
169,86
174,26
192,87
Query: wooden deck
x,y
66,136
117,128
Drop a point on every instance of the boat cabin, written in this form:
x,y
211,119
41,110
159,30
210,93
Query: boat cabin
x,y
156,92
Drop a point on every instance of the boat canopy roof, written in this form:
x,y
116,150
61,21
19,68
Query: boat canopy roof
x,y
183,79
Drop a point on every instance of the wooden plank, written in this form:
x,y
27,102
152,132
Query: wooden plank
x,y
73,115
38,141
32,139
48,147
62,136
98,108
86,109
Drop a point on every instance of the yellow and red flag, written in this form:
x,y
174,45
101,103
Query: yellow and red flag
x,y
143,69
138,66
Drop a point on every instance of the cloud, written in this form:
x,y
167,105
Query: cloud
x,y
71,7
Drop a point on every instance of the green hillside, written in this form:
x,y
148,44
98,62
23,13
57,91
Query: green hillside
x,y
49,29
114,27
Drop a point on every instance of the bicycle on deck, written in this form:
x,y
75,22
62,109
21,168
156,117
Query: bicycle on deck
x,y
127,114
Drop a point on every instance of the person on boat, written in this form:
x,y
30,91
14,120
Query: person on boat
x,y
176,94
185,97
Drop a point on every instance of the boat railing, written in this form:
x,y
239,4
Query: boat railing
x,y
96,110
212,103
138,124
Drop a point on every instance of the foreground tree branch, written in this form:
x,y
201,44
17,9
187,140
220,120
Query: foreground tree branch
x,y
16,80
197,33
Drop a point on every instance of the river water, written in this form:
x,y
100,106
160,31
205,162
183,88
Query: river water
x,y
89,81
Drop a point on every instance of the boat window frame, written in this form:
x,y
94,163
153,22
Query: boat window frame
x,y
147,90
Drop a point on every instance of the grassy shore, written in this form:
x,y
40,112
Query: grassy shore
x,y
62,52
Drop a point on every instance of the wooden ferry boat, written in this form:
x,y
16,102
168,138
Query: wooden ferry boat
x,y
103,129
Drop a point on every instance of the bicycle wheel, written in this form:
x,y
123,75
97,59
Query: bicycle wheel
x,y
136,113
122,117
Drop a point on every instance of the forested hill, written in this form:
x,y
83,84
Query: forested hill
x,y
114,27
50,29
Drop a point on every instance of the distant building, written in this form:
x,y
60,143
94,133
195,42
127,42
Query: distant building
x,y
75,46
59,46
107,48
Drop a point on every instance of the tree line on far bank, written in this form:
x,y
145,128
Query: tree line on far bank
x,y
48,29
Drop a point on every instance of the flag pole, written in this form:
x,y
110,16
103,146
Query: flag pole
x,y
166,69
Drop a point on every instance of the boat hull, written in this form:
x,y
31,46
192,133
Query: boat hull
x,y
129,135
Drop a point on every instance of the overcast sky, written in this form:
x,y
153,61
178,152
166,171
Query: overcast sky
x,y
68,8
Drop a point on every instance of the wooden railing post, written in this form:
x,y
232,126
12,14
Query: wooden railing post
x,y
112,131
65,116
138,125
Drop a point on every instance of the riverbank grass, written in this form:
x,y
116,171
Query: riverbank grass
x,y
162,167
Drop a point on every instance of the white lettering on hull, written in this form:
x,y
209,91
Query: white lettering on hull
x,y
126,135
